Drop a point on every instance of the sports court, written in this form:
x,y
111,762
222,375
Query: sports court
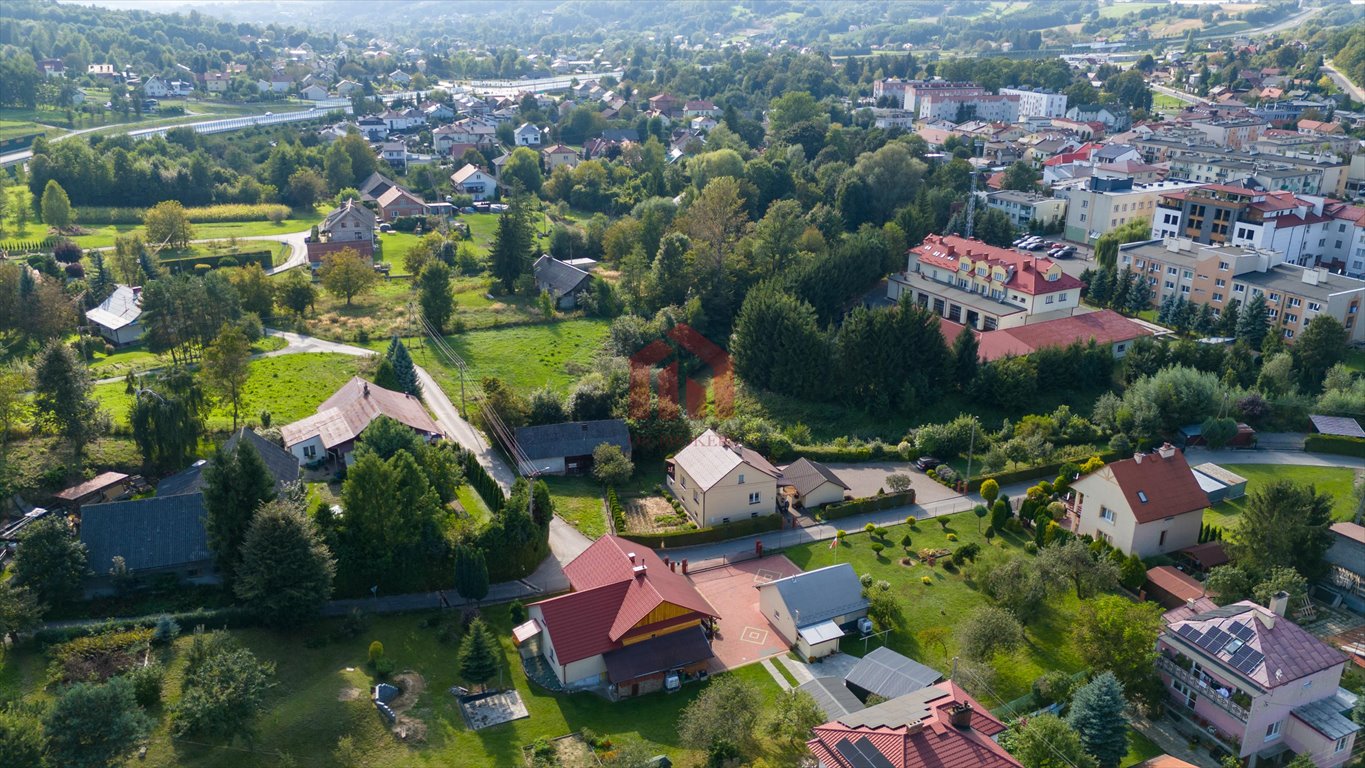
x,y
743,635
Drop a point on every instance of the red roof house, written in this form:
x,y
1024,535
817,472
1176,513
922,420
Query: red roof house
x,y
630,619
1148,505
935,727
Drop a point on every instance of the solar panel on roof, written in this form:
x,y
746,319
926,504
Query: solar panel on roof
x,y
1242,631
1214,640
1189,633
1250,663
862,754
1240,655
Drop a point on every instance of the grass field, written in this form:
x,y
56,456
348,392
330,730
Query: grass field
x,y
103,236
1118,10
289,386
527,357
322,693
1337,481
948,599
12,129
582,500
1163,102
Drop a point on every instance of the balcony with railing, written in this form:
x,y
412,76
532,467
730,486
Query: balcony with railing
x,y
1235,703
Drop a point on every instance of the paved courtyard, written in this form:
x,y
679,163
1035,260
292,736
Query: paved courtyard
x,y
744,635
867,479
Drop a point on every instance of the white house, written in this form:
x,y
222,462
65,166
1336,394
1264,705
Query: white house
x,y
156,88
471,180
274,85
812,611
340,420
118,318
1148,505
348,87
811,484
400,77
315,92
703,123
719,481
527,135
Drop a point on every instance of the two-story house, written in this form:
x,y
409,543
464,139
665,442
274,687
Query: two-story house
x,y
1259,685
527,135
719,481
350,225
1148,505
471,180
983,286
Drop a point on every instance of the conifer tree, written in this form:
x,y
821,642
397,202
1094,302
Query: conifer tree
x,y
403,369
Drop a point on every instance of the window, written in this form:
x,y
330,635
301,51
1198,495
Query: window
x,y
1187,274
1274,296
1238,288
1220,282
755,497
1170,285
1107,514
1172,271
1217,297
1273,732
1341,744
1293,302
1082,217
310,451
1050,298
1222,266
1289,333
1313,306
1161,540
1184,289
695,497
683,479
1142,496
741,478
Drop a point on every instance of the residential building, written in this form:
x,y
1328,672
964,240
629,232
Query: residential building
x,y
156,88
1148,505
813,610
700,108
217,82
564,282
395,153
915,91
315,92
983,286
471,180
809,484
1258,685
557,155
372,127
1105,327
332,431
400,78
1320,128
1112,119
527,135
155,537
319,250
349,221
282,465
566,449
1217,276
1025,208
718,480
1231,132
404,119
398,203
1035,102
891,88
276,84
960,108
940,726
347,88
52,67
630,620
1346,560
665,103
1099,204
119,317
1188,159
703,123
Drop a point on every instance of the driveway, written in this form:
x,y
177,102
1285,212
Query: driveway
x,y
743,635
866,479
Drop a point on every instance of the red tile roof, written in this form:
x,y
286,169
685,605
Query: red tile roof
x,y
319,251
610,598
932,741
1027,271
1158,487
1175,583
1104,326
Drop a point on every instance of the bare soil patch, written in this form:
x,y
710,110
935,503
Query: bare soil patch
x,y
652,514
405,727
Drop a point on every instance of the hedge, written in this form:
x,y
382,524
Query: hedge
x,y
1044,471
265,258
482,482
1338,444
706,535
870,504
207,214
860,452
236,616
46,244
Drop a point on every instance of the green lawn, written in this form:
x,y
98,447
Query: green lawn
x,y
950,597
103,236
289,386
582,500
1334,480
472,503
1118,10
1355,360
1140,748
322,693
527,357
13,129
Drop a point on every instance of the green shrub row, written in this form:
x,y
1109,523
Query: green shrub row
x,y
46,244
207,214
707,535
265,258
873,451
618,513
1048,471
1338,444
482,482
870,504
213,618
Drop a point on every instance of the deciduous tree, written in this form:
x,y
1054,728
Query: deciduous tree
x,y
236,483
168,224
1073,562
1046,741
50,561
1119,636
610,466
224,689
346,275
987,631
56,206
725,710
227,364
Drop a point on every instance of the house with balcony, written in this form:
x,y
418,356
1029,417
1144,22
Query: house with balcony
x,y
1148,505
719,481
1258,685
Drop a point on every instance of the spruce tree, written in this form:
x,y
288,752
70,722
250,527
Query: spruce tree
x,y
1098,718
478,659
471,573
62,398
966,354
1252,322
235,484
286,571
403,369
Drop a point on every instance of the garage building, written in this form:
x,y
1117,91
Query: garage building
x,y
566,449
812,610
811,483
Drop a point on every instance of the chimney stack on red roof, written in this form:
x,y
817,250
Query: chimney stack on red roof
x,y
1166,450
960,715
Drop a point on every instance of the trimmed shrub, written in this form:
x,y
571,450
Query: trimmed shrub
x,y
873,504
707,535
1337,444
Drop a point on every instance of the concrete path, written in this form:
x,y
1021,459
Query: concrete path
x,y
1344,83
1292,458
777,676
799,670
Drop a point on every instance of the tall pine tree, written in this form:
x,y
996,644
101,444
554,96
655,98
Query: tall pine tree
x,y
478,659
403,369
471,573
966,357
1252,322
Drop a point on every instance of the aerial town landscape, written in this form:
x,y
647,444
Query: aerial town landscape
x,y
633,384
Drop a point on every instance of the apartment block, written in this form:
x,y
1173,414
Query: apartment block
x,y
1026,207
1102,202
1037,102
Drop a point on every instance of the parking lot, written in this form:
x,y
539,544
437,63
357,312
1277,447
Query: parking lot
x,y
866,479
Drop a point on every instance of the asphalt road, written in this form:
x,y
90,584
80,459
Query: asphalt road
x,y
1356,92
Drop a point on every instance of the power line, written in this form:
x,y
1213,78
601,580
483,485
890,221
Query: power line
x,y
979,681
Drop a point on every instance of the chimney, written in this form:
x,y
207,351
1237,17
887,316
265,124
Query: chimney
x,y
367,389
1166,450
1279,603
960,715
631,555
914,728
1137,457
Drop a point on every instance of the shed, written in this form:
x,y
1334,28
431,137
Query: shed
x,y
1172,587
566,448
810,610
104,487
1343,426
832,696
1206,556
889,674
812,483
1193,434
1219,483
119,317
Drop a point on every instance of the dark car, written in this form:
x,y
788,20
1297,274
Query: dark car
x,y
926,463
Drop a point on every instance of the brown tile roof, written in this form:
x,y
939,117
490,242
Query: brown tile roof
x,y
1289,652
319,251
1158,487
1165,761
1175,583
343,416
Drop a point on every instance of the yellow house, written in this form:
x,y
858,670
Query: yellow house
x,y
720,481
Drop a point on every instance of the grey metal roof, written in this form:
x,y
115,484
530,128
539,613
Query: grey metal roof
x,y
1337,425
833,698
805,476
572,438
820,595
188,480
889,674
562,278
161,532
1325,717
282,465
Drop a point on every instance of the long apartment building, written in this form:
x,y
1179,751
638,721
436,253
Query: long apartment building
x,y
915,91
1104,201
1210,164
960,108
1036,102
983,286
1306,230
1220,275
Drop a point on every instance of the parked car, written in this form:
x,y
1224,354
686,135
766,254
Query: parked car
x,y
386,227
926,463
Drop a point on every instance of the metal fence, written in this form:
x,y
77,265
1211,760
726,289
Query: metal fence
x,y
317,112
